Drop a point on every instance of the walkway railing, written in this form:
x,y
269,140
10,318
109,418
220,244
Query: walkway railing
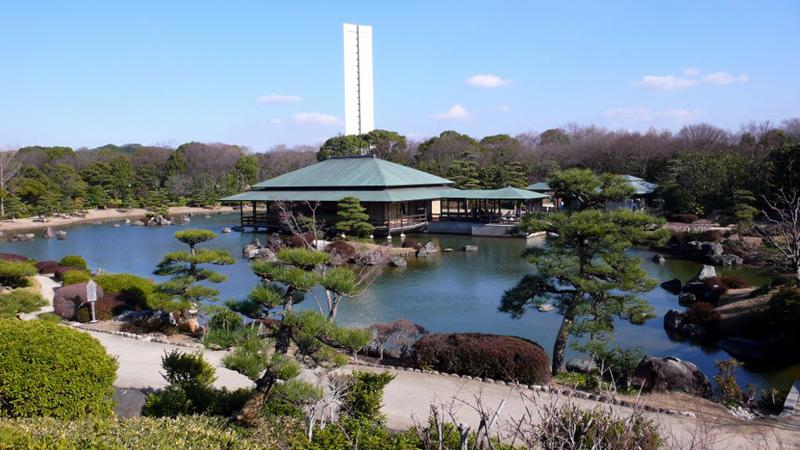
x,y
402,222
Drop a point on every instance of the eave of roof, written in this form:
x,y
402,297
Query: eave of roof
x,y
352,173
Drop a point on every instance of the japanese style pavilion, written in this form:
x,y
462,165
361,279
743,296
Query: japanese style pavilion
x,y
397,198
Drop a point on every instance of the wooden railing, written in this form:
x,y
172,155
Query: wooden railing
x,y
402,222
474,218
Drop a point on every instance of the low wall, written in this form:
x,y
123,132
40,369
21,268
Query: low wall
x,y
471,229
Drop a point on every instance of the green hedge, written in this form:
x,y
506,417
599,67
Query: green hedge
x,y
20,301
74,261
15,273
132,290
47,369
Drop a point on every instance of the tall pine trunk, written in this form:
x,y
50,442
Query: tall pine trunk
x,y
560,346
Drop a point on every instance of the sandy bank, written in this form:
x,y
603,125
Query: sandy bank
x,y
99,215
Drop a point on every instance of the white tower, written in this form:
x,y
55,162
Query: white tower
x,y
359,112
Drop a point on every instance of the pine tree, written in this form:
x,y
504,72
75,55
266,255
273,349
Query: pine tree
x,y
464,172
183,291
353,218
585,270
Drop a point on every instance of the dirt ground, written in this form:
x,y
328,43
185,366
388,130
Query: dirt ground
x,y
98,215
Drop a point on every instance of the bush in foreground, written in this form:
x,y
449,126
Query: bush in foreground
x,y
20,301
15,273
484,355
47,369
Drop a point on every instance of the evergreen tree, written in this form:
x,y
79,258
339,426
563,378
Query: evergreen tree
x,y
464,172
585,270
589,189
353,218
743,210
183,291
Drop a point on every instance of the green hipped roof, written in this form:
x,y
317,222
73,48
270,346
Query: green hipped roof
x,y
506,193
540,186
352,173
640,187
364,195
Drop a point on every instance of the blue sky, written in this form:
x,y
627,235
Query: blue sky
x,y
87,73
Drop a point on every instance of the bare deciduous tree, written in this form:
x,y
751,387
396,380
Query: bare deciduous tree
x,y
9,173
783,213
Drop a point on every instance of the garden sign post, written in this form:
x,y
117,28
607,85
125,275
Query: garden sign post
x,y
91,297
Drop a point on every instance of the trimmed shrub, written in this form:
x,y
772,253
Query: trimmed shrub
x,y
225,320
151,324
20,301
480,355
15,273
701,313
297,241
225,338
74,261
108,307
49,317
13,257
342,249
47,266
683,218
47,369
73,276
130,289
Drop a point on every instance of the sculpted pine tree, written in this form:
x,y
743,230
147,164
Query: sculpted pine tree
x,y
182,292
353,218
296,272
585,271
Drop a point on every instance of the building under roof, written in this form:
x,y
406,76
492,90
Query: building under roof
x,y
641,189
396,197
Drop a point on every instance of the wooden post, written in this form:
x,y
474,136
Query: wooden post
x,y
241,215
255,219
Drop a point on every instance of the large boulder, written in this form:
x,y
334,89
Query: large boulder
x,y
658,259
68,299
671,375
375,257
397,261
581,365
725,260
704,273
672,286
678,328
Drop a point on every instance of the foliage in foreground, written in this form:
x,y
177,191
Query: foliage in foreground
x,y
47,369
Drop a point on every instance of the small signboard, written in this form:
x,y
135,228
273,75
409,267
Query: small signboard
x,y
91,291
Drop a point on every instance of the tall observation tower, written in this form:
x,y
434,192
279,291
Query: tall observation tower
x,y
359,112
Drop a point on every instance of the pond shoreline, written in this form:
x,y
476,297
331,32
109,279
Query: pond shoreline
x,y
100,215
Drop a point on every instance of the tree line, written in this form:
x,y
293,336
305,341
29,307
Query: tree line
x,y
700,169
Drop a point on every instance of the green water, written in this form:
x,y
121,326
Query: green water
x,y
447,292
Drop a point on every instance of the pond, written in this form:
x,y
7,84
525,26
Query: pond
x,y
448,292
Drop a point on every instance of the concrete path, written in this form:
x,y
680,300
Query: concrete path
x,y
410,395
46,287
140,362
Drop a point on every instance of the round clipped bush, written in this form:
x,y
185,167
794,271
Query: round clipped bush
x,y
74,276
74,261
47,369
130,289
480,355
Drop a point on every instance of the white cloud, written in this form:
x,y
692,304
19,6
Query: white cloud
x,y
275,121
456,112
503,108
692,78
724,78
315,118
666,82
487,80
691,72
644,114
279,98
